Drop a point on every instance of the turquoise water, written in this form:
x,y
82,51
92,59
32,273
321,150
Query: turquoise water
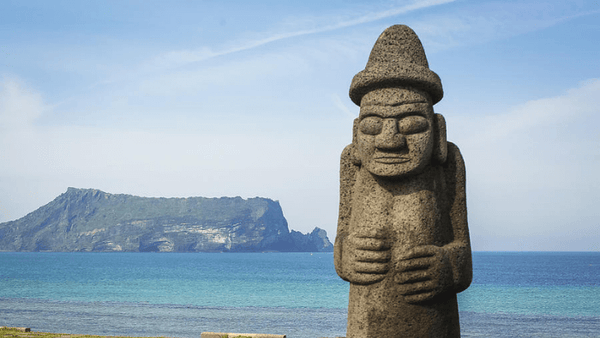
x,y
298,294
206,279
554,283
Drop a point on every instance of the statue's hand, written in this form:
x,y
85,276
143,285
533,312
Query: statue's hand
x,y
366,257
423,273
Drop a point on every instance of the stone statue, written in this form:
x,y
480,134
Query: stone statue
x,y
402,239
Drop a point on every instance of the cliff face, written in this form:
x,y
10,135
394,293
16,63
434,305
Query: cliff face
x,y
92,220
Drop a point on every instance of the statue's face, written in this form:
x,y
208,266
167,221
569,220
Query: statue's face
x,y
394,136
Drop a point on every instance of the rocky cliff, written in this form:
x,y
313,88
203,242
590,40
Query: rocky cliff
x,y
92,220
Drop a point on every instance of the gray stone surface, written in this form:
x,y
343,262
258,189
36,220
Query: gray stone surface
x,y
21,329
402,239
234,335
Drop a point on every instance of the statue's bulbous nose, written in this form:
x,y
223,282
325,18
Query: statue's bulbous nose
x,y
390,138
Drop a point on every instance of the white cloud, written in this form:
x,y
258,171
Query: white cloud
x,y
533,170
342,107
577,103
19,105
489,21
182,57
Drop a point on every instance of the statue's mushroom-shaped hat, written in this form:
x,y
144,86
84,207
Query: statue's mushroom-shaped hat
x,y
397,58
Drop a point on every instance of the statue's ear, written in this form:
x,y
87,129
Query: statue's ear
x,y
354,158
440,145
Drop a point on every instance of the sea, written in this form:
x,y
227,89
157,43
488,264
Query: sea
x,y
513,294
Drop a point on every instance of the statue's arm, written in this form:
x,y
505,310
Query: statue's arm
x,y
459,250
347,178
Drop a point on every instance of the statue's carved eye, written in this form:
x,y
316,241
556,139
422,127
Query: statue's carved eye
x,y
371,125
412,125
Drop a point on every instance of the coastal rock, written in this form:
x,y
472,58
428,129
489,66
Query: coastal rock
x,y
316,241
91,220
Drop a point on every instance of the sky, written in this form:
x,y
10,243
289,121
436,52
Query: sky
x,y
250,98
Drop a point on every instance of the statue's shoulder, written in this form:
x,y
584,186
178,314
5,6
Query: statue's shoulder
x,y
454,167
454,157
346,152
348,168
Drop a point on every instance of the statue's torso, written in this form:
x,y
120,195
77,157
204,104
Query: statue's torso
x,y
409,213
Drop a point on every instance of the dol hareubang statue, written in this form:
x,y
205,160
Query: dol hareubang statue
x,y
402,239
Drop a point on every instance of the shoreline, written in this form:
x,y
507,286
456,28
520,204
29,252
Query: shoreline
x,y
472,325
118,320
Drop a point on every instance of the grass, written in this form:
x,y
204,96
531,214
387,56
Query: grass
x,y
14,333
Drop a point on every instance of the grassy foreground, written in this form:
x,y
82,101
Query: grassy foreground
x,y
10,332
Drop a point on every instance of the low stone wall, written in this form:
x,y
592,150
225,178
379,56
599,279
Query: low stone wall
x,y
239,335
22,329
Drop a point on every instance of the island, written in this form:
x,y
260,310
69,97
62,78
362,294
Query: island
x,y
90,220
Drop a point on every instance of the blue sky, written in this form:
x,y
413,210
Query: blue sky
x,y
250,98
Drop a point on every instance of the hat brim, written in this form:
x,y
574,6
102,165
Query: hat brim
x,y
390,75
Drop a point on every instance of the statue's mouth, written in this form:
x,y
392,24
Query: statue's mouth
x,y
391,159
